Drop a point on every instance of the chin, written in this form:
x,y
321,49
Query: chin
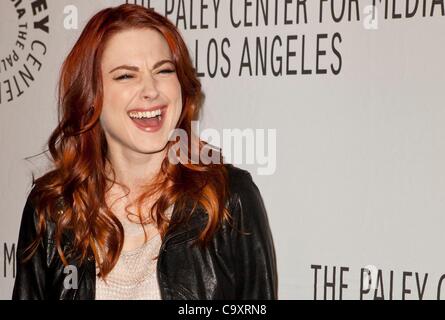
x,y
152,149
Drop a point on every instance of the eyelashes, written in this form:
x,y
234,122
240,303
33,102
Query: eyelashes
x,y
167,71
130,76
124,77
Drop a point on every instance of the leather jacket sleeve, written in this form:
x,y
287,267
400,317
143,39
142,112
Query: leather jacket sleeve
x,y
255,260
30,282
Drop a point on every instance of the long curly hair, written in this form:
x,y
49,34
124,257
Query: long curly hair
x,y
78,151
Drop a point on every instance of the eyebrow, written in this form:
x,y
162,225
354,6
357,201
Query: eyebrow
x,y
134,68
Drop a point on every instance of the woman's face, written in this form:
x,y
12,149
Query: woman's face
x,y
142,99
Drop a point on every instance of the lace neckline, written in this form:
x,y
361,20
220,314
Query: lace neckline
x,y
140,248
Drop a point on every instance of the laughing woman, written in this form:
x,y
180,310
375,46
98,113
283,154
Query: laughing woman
x,y
116,218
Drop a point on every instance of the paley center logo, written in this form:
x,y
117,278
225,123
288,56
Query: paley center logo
x,y
24,34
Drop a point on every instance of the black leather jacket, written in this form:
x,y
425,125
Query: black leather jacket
x,y
232,266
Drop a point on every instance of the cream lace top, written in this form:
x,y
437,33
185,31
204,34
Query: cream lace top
x,y
134,277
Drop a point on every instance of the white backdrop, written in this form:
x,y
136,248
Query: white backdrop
x,y
358,177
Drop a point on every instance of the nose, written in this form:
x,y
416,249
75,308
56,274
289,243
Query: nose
x,y
149,89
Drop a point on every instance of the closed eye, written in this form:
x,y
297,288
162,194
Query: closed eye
x,y
129,76
167,71
124,76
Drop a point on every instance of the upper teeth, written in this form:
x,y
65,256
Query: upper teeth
x,y
146,114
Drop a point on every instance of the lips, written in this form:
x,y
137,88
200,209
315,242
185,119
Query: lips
x,y
163,107
149,124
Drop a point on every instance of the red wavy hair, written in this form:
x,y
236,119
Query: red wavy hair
x,y
79,150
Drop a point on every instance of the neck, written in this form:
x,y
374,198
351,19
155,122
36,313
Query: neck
x,y
135,170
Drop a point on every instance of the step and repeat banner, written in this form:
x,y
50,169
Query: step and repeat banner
x,y
335,107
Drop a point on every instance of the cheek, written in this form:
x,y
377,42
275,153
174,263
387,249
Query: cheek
x,y
113,97
107,117
113,105
116,99
176,96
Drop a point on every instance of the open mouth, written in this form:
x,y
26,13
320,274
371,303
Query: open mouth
x,y
148,120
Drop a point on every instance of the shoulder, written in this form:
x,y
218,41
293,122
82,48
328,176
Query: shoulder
x,y
245,199
30,218
33,220
238,178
